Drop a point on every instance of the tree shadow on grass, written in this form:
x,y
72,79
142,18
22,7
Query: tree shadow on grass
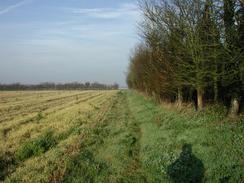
x,y
187,168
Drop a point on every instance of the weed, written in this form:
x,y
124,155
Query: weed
x,y
36,147
39,117
84,168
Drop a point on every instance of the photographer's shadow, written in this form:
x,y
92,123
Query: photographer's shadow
x,y
187,168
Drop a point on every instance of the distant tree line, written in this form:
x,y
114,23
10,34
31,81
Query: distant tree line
x,y
54,86
191,50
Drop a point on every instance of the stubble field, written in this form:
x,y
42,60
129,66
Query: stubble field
x,y
113,136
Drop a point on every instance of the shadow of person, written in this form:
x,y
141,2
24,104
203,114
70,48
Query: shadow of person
x,y
187,168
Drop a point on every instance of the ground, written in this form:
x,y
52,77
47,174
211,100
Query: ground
x,y
114,136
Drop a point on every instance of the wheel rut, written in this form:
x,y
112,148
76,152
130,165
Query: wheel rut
x,y
121,147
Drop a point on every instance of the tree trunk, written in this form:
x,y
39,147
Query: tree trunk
x,y
234,109
215,91
199,98
216,79
179,98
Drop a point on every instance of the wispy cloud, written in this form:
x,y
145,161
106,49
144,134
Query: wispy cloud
x,y
128,9
14,6
68,42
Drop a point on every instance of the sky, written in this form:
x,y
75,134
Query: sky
x,y
66,40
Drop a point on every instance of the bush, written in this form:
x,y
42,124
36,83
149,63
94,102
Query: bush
x,y
36,147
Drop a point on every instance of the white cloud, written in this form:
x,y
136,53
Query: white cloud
x,y
90,44
128,9
14,6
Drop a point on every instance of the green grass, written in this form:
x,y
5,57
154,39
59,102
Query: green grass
x,y
216,142
137,140
140,141
36,147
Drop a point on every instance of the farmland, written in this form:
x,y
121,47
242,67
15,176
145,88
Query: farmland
x,y
113,136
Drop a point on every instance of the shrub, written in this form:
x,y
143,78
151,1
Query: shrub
x,y
36,147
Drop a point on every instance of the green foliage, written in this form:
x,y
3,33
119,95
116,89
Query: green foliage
x,y
229,21
36,147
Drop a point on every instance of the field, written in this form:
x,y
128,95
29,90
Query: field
x,y
114,136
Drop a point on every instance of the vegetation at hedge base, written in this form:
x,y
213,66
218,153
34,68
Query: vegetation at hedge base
x,y
191,51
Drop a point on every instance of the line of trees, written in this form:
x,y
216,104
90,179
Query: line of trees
x,y
191,50
54,86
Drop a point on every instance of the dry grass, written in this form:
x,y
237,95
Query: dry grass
x,y
109,136
25,116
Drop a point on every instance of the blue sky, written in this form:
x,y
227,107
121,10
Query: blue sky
x,y
66,40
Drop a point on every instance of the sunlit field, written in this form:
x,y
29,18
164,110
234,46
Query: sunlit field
x,y
114,136
37,129
122,91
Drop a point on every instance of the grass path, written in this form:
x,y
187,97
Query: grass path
x,y
125,138
121,147
139,141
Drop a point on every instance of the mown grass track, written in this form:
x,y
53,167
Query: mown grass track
x,y
113,137
139,142
112,152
